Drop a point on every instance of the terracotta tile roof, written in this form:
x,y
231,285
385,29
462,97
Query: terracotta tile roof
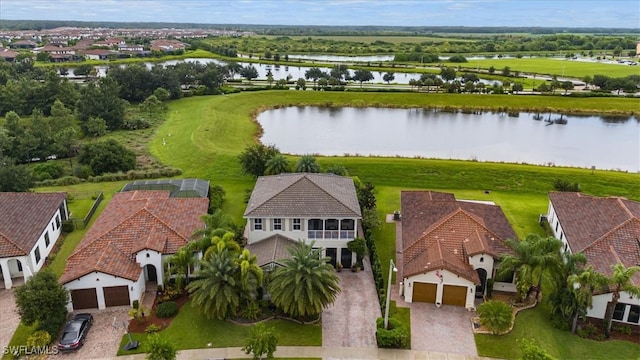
x,y
586,218
606,230
303,194
24,216
134,221
273,249
437,229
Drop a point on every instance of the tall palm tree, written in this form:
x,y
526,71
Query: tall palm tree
x,y
217,292
250,273
278,164
536,259
619,281
306,284
307,163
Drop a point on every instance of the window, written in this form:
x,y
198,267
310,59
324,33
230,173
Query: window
x,y
58,221
634,314
560,236
557,226
315,224
257,224
36,254
508,278
347,224
618,312
332,224
297,224
19,266
53,227
46,239
277,224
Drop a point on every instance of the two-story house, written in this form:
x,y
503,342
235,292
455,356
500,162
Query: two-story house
x,y
303,206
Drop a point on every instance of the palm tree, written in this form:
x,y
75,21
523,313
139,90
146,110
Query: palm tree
x,y
217,292
178,265
307,163
250,273
620,280
582,286
306,284
216,224
278,164
496,316
535,260
219,243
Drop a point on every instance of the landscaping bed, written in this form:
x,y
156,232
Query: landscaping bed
x,y
136,326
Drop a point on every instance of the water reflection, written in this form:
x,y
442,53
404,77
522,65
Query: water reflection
x,y
607,142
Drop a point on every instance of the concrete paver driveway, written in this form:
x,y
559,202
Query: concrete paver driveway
x,y
103,338
351,320
446,329
9,318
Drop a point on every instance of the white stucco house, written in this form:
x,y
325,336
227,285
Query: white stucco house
x,y
303,206
123,251
30,225
607,231
449,248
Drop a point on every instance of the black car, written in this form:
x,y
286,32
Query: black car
x,y
75,332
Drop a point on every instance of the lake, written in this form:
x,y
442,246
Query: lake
x,y
544,139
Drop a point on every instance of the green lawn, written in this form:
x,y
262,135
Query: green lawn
x,y
191,330
551,66
534,325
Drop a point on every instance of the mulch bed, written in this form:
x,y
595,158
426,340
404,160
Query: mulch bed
x,y
139,327
634,336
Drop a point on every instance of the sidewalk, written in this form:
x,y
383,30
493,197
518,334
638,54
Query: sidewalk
x,y
315,352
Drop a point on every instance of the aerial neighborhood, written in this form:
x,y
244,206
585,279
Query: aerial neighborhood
x,y
191,191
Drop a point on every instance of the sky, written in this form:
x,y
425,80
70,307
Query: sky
x,y
527,13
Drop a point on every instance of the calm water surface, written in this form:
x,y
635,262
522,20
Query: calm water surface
x,y
563,140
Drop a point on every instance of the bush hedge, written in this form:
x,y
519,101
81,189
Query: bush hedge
x,y
396,336
167,309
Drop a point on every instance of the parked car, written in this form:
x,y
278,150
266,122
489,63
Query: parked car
x,y
75,332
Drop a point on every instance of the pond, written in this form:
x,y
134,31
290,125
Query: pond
x,y
544,139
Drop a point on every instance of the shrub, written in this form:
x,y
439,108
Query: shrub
x,y
396,336
139,314
39,339
564,185
251,311
531,351
159,348
47,170
136,304
496,316
153,328
169,293
67,226
135,124
167,309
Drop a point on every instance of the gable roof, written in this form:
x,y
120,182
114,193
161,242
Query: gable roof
x,y
271,250
441,232
24,217
303,194
606,230
131,222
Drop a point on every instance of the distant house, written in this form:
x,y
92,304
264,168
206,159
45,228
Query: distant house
x,y
450,248
167,45
30,226
607,231
8,55
290,207
96,54
23,44
123,252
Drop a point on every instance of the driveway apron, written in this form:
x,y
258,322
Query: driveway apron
x,y
9,318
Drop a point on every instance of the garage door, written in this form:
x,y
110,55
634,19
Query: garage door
x,y
454,295
116,296
424,292
84,299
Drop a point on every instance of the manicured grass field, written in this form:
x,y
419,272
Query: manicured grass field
x,y
191,330
389,39
551,66
534,325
